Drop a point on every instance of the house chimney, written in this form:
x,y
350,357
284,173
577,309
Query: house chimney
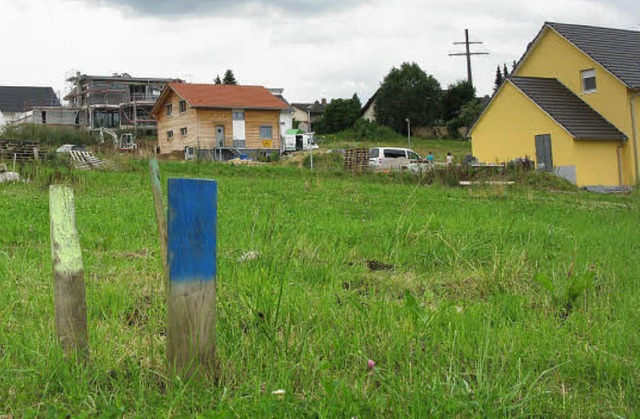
x,y
324,101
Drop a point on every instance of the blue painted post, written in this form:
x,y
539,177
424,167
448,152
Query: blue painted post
x,y
191,311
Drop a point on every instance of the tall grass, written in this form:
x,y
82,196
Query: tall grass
x,y
47,135
442,288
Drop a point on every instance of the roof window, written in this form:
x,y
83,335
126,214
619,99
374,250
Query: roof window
x,y
588,81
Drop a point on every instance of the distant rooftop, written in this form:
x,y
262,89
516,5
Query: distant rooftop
x,y
122,77
315,108
23,98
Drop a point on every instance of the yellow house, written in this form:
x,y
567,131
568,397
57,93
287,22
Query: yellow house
x,y
572,105
225,120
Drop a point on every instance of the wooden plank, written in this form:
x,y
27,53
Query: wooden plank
x,y
161,212
191,311
176,121
68,273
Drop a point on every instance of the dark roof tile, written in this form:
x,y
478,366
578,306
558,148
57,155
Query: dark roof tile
x,y
574,114
617,50
23,98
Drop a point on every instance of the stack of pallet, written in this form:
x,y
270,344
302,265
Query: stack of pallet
x,y
84,160
356,159
19,150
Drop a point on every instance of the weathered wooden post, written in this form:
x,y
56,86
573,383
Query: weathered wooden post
x,y
191,311
68,273
161,212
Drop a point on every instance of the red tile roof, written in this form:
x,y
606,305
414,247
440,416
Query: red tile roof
x,y
227,96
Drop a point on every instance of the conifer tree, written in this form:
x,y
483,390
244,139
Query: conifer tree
x,y
229,78
498,80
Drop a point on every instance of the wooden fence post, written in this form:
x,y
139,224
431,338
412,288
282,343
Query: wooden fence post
x,y
68,273
161,212
191,311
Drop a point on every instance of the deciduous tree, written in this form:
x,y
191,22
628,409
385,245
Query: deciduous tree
x,y
408,92
339,115
455,97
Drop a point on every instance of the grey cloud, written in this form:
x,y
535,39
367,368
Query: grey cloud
x,y
625,7
162,8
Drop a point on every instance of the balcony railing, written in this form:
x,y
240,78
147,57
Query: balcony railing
x,y
143,97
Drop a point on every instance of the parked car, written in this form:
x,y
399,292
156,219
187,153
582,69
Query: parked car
x,y
391,157
67,148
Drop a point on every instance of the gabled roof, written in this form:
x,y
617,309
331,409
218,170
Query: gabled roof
x,y
278,92
224,96
23,98
316,108
567,109
617,50
369,103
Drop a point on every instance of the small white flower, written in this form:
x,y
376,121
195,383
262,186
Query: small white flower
x,y
252,255
280,392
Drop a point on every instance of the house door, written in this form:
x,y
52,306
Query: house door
x,y
219,135
543,153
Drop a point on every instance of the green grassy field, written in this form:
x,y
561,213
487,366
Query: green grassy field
x,y
471,302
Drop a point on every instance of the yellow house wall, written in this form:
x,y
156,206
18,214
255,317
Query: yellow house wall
x,y
554,56
598,162
508,128
629,146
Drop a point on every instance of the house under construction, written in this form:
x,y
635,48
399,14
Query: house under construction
x,y
119,101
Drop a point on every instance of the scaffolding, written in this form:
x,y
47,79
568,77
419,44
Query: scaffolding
x,y
118,101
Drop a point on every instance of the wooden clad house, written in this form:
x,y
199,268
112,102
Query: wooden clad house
x,y
572,104
225,119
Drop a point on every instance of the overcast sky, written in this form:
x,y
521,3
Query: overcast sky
x,y
312,48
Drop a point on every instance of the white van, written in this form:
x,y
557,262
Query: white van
x,y
391,157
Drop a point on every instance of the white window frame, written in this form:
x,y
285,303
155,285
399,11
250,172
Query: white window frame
x,y
169,109
170,135
237,115
586,75
182,106
183,131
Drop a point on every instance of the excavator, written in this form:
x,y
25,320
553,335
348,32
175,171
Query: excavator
x,y
123,143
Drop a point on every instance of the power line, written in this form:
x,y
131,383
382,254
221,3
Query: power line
x,y
468,53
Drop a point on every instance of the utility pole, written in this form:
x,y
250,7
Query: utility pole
x,y
468,54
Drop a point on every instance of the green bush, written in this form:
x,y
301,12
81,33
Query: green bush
x,y
268,157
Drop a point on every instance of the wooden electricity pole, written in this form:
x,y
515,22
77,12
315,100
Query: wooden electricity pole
x,y
468,54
